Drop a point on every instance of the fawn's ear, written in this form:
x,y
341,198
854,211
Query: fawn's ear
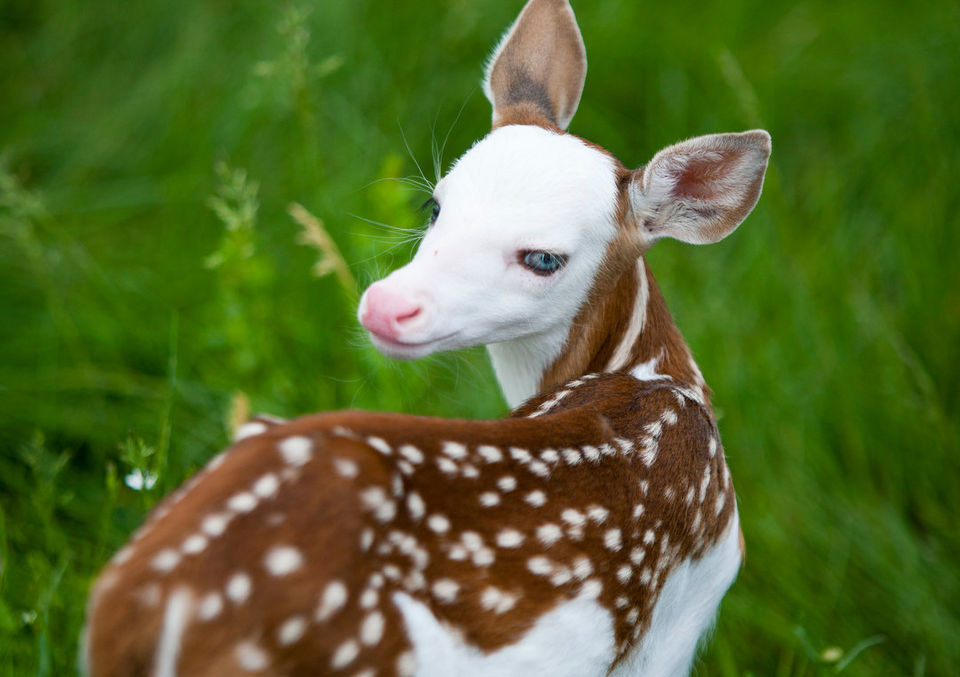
x,y
700,190
540,63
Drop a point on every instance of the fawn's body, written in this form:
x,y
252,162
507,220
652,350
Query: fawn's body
x,y
592,532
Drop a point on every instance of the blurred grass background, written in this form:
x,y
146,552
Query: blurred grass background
x,y
152,281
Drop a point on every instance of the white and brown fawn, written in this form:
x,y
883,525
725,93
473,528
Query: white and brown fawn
x,y
592,532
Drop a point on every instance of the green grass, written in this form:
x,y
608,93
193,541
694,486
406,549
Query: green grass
x,y
150,272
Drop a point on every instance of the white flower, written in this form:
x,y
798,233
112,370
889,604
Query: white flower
x,y
139,480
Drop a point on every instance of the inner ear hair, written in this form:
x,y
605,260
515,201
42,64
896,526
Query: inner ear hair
x,y
539,67
701,189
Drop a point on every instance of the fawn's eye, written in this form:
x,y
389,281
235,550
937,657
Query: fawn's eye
x,y
543,263
434,207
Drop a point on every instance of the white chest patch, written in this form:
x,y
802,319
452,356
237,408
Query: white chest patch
x,y
685,611
575,639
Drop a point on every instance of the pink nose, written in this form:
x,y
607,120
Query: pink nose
x,y
387,313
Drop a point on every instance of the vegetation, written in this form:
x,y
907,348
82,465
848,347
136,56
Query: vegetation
x,y
172,172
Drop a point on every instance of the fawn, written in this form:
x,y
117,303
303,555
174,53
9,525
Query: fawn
x,y
594,531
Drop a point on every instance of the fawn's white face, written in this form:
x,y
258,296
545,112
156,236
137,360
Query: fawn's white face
x,y
522,223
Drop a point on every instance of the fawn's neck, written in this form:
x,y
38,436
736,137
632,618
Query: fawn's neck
x,y
623,326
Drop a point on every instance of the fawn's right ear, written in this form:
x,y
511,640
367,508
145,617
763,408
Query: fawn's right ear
x,y
539,66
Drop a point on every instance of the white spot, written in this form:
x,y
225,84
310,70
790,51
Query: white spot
x,y
592,588
194,544
496,600
633,615
238,588
712,448
649,537
445,590
637,555
521,455
612,540
539,468
705,483
249,430
380,445
251,657
214,525
624,573
216,461
540,565
243,502
266,486
597,513
411,453
548,534
573,517
210,606
591,453
283,560
507,483
669,417
333,599
455,450
375,499
366,539
345,654
561,576
536,498
647,371
447,467
372,628
415,505
472,540
644,485
637,510
721,500
166,560
490,454
582,567
405,468
122,555
457,552
483,557
369,598
346,467
438,523
572,456
621,602
488,499
509,538
549,456
296,450
291,631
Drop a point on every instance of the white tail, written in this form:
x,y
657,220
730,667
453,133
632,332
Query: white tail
x,y
592,532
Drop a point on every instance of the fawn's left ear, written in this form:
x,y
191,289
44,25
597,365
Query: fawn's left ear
x,y
700,190
539,66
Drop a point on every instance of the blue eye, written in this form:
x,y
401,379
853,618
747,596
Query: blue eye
x,y
543,263
434,209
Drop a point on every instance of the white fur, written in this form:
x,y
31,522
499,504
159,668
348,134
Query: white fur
x,y
685,610
521,188
575,639
638,318
171,635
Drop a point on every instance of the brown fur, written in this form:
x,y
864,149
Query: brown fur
x,y
324,520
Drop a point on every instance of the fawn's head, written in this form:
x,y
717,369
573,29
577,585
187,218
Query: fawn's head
x,y
531,220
